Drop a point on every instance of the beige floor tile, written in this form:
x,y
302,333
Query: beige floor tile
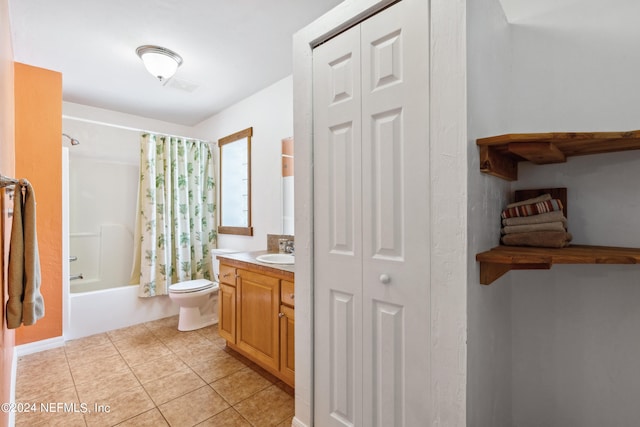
x,y
166,333
106,371
152,418
287,422
99,369
240,385
102,390
32,381
90,341
269,407
173,386
198,353
186,340
69,419
286,388
121,407
227,418
171,321
52,407
159,368
221,366
211,333
47,357
145,353
193,408
128,332
131,342
88,355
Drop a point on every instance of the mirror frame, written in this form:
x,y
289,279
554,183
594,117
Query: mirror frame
x,y
222,229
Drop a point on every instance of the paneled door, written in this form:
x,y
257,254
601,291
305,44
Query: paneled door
x,y
371,220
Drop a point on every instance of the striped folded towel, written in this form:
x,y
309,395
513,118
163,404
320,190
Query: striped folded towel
x,y
532,209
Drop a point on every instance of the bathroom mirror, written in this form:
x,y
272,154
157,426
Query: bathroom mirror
x,y
235,183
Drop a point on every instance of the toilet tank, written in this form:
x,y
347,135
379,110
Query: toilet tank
x,y
216,262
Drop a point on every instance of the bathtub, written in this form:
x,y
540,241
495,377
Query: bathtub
x,y
103,310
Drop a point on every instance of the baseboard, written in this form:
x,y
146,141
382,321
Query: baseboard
x,y
297,423
12,389
35,347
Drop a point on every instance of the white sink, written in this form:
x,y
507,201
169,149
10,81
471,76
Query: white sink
x,y
276,258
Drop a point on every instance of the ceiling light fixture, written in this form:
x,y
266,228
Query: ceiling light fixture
x,y
161,62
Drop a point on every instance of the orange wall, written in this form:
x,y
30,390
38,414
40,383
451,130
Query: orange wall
x,y
7,161
38,151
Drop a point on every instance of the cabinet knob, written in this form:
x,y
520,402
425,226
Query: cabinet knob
x,y
280,315
385,278
291,296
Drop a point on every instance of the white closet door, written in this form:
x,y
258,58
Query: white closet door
x,y
371,222
395,199
337,232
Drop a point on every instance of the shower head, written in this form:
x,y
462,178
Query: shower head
x,y
73,140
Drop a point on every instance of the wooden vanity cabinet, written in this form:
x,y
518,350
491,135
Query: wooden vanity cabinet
x,y
256,316
287,330
227,303
257,309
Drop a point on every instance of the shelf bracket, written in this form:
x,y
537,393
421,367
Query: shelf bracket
x,y
491,271
497,164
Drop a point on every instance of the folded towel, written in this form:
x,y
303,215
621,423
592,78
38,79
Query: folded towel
x,y
25,303
533,209
526,228
542,198
537,219
542,239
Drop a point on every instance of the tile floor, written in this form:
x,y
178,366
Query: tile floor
x,y
150,375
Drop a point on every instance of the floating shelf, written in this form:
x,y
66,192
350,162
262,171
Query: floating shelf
x,y
499,155
501,259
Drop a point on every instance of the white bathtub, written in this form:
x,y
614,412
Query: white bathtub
x,y
99,311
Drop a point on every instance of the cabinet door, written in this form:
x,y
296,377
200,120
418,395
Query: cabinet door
x,y
287,347
227,312
258,327
227,275
287,293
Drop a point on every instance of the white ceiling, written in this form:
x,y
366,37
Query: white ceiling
x,y
231,49
610,16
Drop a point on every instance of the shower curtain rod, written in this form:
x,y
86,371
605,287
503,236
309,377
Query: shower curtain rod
x,y
96,122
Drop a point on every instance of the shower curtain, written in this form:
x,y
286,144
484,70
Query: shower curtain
x,y
175,223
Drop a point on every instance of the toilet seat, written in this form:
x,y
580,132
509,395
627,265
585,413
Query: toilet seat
x,y
191,286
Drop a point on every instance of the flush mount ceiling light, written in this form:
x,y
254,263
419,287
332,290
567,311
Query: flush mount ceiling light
x,y
161,62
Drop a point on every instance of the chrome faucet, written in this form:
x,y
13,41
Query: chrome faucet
x,y
289,247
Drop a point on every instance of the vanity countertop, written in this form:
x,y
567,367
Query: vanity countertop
x,y
248,260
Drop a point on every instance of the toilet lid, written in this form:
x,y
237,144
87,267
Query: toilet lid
x,y
191,286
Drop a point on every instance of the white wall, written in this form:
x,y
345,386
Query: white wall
x,y
270,113
489,307
575,328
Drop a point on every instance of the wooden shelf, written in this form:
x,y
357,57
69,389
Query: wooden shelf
x,y
501,259
499,155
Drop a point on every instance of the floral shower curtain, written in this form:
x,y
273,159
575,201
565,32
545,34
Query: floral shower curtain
x,y
175,224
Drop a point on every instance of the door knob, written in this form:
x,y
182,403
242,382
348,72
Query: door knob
x,y
385,278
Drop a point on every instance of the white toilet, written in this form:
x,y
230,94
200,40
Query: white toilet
x,y
198,299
